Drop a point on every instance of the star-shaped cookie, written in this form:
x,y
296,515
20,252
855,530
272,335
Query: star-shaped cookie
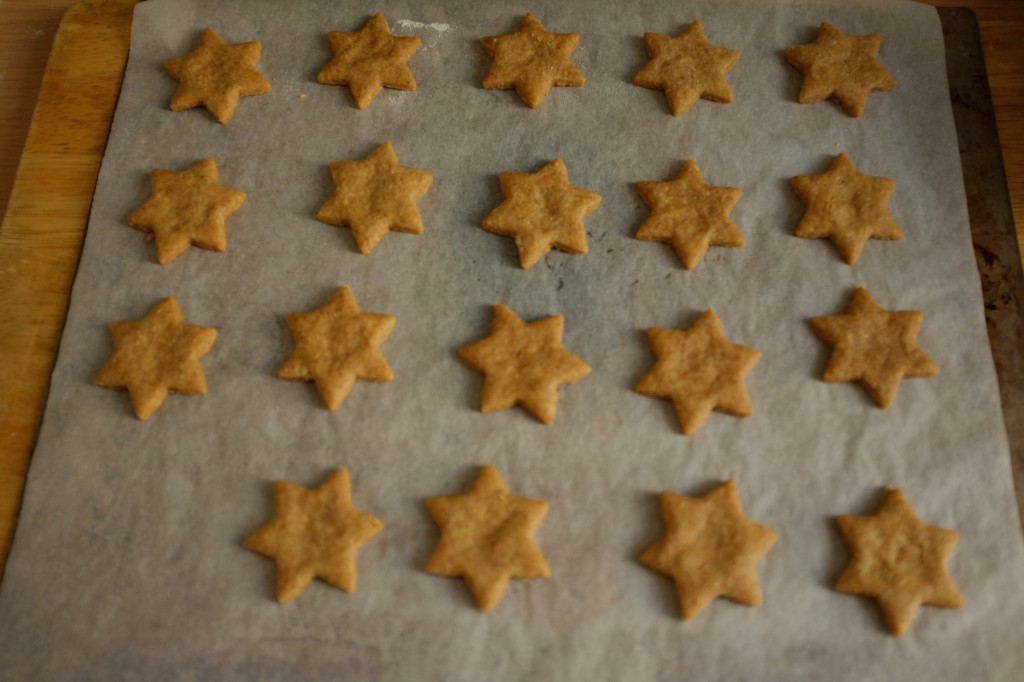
x,y
699,370
337,344
842,67
531,60
215,75
899,560
523,363
314,534
710,549
374,195
687,67
487,538
873,346
156,355
542,211
845,206
689,214
185,208
369,60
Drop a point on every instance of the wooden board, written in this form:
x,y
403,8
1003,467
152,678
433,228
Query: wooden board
x,y
996,244
41,236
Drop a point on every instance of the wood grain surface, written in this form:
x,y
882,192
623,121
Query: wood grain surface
x,y
41,236
60,75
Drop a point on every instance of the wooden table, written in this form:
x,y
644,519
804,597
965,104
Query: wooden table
x,y
58,111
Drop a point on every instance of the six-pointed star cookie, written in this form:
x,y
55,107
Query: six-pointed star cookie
x,y
699,370
337,344
188,207
156,355
845,206
215,75
687,67
689,214
842,67
314,534
487,538
710,549
874,346
531,60
899,560
523,363
542,211
374,195
369,60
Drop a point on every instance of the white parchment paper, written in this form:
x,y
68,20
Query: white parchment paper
x,y
128,562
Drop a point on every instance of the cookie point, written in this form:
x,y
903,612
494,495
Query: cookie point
x,y
144,412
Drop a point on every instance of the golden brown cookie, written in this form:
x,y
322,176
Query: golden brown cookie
x,y
842,67
531,60
487,538
710,549
314,534
336,345
156,355
374,195
687,67
369,60
899,560
689,214
523,363
873,346
215,75
699,370
187,207
542,211
845,206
